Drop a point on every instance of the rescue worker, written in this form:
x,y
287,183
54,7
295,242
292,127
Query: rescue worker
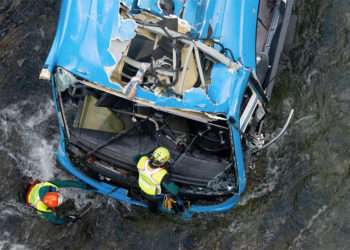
x,y
154,181
46,198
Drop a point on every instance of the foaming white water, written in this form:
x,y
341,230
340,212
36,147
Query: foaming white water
x,y
265,187
14,208
18,247
5,243
43,157
35,156
41,115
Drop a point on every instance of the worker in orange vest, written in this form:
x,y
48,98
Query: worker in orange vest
x,y
46,198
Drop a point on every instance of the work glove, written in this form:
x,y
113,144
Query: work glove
x,y
168,202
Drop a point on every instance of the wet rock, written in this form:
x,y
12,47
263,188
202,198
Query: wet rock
x,y
37,48
24,33
14,185
20,62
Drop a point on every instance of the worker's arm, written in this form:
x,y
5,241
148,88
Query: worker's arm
x,y
170,186
52,218
174,191
142,162
69,184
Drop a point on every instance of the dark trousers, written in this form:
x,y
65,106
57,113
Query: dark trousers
x,y
153,201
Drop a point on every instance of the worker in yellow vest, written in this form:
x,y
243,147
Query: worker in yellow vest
x,y
45,197
154,182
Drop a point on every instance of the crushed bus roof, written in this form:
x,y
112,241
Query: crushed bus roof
x,y
93,35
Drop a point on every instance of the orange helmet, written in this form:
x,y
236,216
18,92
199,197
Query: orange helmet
x,y
53,199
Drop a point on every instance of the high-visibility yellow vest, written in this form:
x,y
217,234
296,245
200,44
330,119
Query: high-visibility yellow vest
x,y
150,179
34,197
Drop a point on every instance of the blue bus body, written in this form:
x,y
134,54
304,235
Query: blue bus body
x,y
81,46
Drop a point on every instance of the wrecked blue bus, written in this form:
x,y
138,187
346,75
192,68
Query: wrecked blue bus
x,y
207,72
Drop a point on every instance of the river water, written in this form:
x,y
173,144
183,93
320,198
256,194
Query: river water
x,y
298,192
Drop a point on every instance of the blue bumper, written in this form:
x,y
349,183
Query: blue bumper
x,y
121,194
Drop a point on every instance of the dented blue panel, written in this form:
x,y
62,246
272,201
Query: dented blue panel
x,y
83,36
222,83
86,28
239,30
230,22
194,13
215,18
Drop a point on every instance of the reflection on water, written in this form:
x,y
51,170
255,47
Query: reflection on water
x,y
298,195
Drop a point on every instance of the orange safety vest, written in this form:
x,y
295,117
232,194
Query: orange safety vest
x,y
33,197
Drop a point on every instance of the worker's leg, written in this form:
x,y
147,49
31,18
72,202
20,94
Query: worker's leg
x,y
52,217
153,202
174,192
179,205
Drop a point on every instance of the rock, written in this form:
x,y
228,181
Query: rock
x,y
37,48
20,62
42,32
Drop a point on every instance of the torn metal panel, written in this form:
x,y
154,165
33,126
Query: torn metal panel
x,y
92,39
120,40
125,31
117,49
